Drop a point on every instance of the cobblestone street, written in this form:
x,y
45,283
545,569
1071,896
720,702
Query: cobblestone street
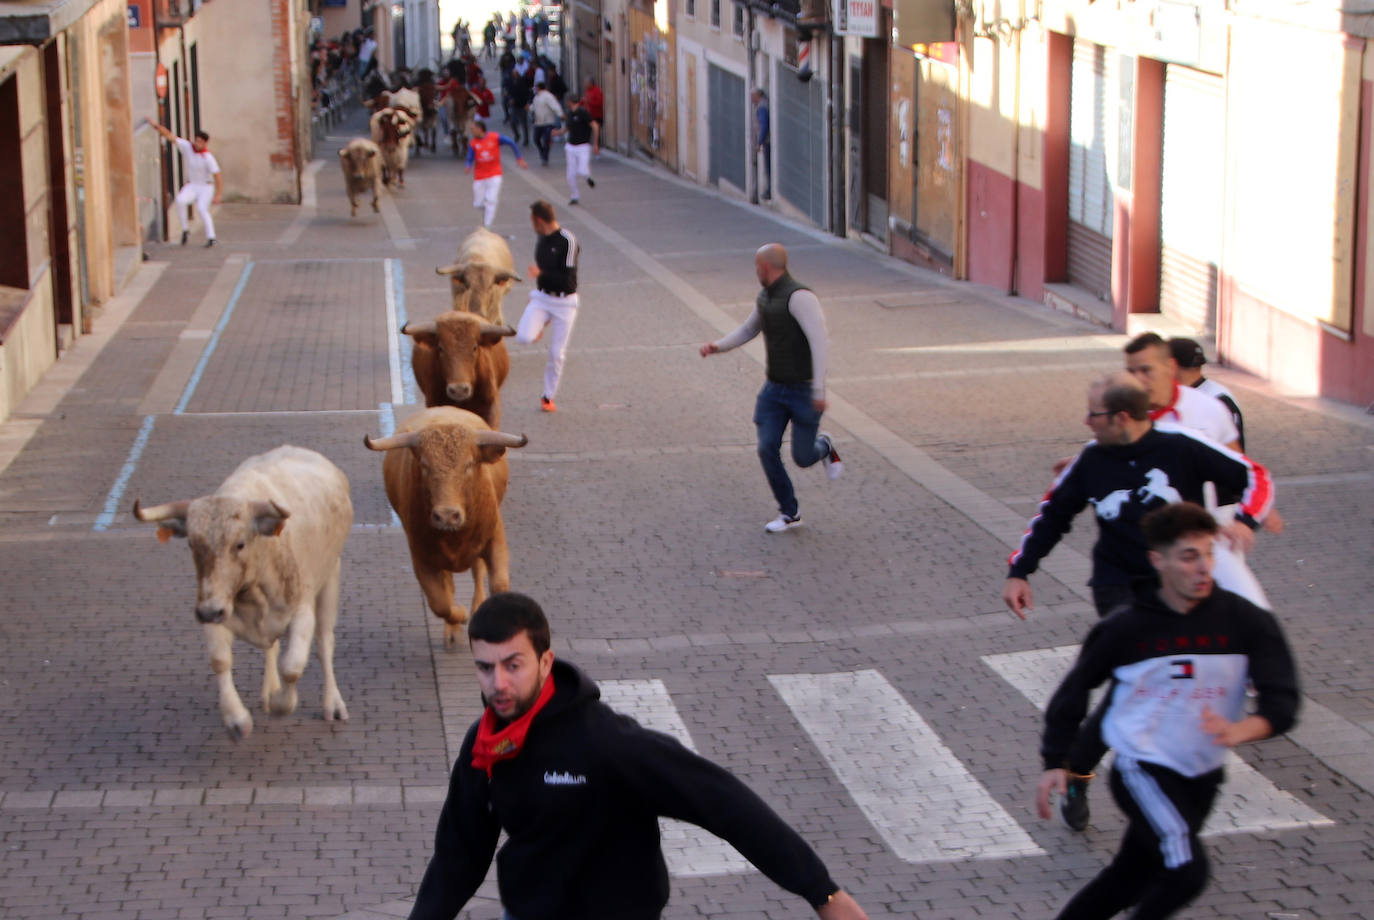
x,y
860,672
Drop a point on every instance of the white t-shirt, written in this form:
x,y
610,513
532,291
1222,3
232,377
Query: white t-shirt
x,y
200,167
1196,411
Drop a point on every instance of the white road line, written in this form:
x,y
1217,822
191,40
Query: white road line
x,y
688,850
395,226
386,423
1248,802
912,788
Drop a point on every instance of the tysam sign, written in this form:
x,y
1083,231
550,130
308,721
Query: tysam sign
x,y
856,17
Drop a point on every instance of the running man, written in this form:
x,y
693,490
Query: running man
x,y
584,139
484,162
204,185
578,789
1179,661
797,346
553,302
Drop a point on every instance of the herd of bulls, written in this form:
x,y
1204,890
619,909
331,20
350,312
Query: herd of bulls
x,y
267,543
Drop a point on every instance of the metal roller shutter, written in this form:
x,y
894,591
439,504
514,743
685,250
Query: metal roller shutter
x,y
1092,202
1192,203
729,119
799,136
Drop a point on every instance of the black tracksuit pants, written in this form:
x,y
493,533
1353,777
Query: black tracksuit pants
x,y
1161,865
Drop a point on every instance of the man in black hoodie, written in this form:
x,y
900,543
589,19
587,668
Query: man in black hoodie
x,y
579,790
1179,661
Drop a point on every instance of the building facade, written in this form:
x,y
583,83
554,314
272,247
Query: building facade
x,y
68,210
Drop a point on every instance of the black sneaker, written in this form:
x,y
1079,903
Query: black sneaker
x,y
591,183
210,242
185,235
572,201
1074,807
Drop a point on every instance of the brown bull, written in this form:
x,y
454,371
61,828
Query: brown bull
x,y
461,361
481,274
445,473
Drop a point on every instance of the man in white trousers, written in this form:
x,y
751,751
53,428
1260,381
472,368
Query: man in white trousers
x,y
553,302
203,187
484,162
584,139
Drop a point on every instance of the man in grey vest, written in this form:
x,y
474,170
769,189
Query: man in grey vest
x,y
797,346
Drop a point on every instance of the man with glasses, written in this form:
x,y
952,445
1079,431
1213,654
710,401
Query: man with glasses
x,y
1130,468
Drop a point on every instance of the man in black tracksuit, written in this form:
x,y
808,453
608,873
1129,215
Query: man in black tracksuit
x,y
1179,661
1130,468
579,790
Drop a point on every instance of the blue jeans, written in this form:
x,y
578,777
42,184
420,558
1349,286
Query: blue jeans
x,y
778,404
543,139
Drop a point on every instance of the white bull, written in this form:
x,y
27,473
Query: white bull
x,y
267,547
481,274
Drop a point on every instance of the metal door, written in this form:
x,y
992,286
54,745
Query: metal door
x,y
1192,203
729,121
799,140
1092,202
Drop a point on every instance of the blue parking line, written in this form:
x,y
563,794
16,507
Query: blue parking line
x,y
214,340
126,473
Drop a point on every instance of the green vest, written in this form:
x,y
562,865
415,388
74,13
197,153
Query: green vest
x,y
788,351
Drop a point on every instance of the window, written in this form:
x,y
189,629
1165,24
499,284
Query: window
x,y
690,8
715,14
739,20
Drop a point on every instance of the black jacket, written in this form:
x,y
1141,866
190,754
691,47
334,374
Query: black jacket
x,y
580,804
1124,482
1165,668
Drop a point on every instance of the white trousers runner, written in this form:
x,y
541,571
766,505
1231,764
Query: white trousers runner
x,y
579,159
201,193
485,194
559,313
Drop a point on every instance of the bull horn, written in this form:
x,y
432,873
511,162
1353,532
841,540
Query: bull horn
x,y
160,512
503,276
487,438
453,269
493,329
392,442
420,328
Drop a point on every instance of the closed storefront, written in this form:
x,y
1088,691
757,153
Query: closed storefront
x,y
1092,133
1192,201
799,143
729,121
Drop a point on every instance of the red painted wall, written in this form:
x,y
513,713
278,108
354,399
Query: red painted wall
x,y
989,226
1030,242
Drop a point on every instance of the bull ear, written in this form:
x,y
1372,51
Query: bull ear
x,y
343,154
503,276
269,518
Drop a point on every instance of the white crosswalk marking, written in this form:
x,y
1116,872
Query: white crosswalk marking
x,y
1247,803
912,788
688,850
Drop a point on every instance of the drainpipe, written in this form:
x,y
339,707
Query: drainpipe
x,y
836,113
1013,283
164,192
750,37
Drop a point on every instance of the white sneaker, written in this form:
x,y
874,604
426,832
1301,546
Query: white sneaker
x,y
782,522
834,466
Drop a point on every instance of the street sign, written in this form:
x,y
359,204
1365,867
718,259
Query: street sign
x,y
135,15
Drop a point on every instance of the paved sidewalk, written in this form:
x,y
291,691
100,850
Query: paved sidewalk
x,y
860,672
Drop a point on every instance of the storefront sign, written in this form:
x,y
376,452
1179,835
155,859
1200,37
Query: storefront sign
x,y
856,17
160,81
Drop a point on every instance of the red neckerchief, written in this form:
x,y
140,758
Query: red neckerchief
x,y
492,745
1157,414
